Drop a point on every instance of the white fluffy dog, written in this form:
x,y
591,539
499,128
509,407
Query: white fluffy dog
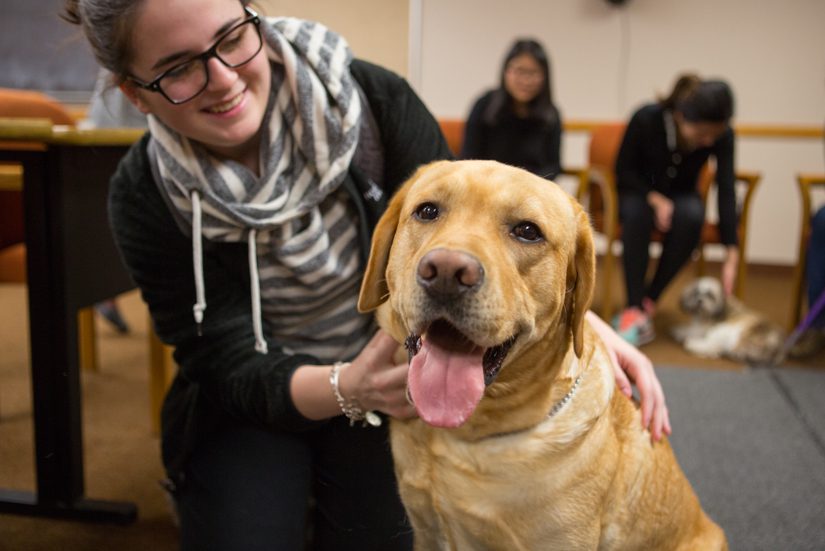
x,y
721,326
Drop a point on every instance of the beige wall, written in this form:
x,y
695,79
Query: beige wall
x,y
607,60
377,30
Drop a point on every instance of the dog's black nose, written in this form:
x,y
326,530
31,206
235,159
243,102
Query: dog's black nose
x,y
445,273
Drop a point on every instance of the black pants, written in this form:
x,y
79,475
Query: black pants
x,y
248,489
637,224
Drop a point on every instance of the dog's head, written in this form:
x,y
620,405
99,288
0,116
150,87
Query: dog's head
x,y
479,262
703,299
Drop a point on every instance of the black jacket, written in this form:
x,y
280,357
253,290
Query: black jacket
x,y
531,143
221,378
645,163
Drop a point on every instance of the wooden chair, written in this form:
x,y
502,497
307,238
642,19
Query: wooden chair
x,y
32,105
453,130
806,183
597,188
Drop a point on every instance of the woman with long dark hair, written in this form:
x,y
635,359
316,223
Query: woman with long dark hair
x,y
664,148
517,123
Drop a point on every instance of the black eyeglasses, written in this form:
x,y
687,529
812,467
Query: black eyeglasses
x,y
236,47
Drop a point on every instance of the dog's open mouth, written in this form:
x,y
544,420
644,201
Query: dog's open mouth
x,y
449,372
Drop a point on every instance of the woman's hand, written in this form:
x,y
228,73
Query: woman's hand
x,y
662,210
729,269
631,366
375,381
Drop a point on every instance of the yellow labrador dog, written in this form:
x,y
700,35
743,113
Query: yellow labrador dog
x,y
522,443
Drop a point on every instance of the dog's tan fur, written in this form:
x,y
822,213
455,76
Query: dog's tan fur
x,y
511,478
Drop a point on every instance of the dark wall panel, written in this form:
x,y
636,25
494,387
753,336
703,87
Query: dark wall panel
x,y
40,51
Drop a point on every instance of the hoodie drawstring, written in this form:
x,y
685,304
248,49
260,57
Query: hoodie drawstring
x,y
197,259
255,284
254,281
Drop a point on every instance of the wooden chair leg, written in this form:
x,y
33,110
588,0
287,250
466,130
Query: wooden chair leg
x,y
86,341
805,183
739,284
161,371
701,266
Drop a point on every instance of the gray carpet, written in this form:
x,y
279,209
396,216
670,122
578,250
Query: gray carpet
x,y
751,444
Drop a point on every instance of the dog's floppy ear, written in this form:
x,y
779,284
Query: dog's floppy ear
x,y
585,268
374,290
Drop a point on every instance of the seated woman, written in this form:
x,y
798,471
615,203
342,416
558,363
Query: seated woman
x,y
665,146
517,123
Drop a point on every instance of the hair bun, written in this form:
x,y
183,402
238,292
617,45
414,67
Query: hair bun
x,y
71,12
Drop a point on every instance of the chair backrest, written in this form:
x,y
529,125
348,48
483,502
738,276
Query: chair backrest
x,y
32,105
453,130
605,141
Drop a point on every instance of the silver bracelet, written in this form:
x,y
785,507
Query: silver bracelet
x,y
352,409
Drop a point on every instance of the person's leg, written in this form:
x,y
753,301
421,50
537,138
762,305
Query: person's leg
x,y
357,502
637,224
111,313
815,269
680,241
246,489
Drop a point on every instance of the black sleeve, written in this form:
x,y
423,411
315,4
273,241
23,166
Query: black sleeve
x,y
473,146
632,173
409,133
222,361
726,188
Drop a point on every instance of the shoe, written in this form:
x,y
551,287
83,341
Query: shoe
x,y
809,343
649,307
108,309
634,326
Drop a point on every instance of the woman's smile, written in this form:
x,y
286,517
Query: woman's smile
x,y
230,107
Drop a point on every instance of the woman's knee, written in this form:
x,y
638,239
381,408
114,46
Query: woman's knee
x,y
632,205
688,214
636,215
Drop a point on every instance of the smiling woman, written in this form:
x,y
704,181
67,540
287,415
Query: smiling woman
x,y
518,123
269,156
244,216
180,65
183,81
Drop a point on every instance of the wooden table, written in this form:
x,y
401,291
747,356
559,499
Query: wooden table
x,y
72,263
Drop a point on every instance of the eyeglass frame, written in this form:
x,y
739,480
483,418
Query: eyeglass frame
x,y
154,85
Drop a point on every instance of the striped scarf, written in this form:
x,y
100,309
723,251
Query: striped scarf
x,y
302,239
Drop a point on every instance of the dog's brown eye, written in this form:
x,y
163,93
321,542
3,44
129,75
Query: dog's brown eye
x,y
527,232
426,211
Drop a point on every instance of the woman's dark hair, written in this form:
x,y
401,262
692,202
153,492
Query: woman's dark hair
x,y
107,25
700,100
540,107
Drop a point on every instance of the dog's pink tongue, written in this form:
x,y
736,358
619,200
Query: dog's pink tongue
x,y
446,385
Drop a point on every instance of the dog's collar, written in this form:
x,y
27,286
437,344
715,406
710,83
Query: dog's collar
x,y
557,407
567,397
